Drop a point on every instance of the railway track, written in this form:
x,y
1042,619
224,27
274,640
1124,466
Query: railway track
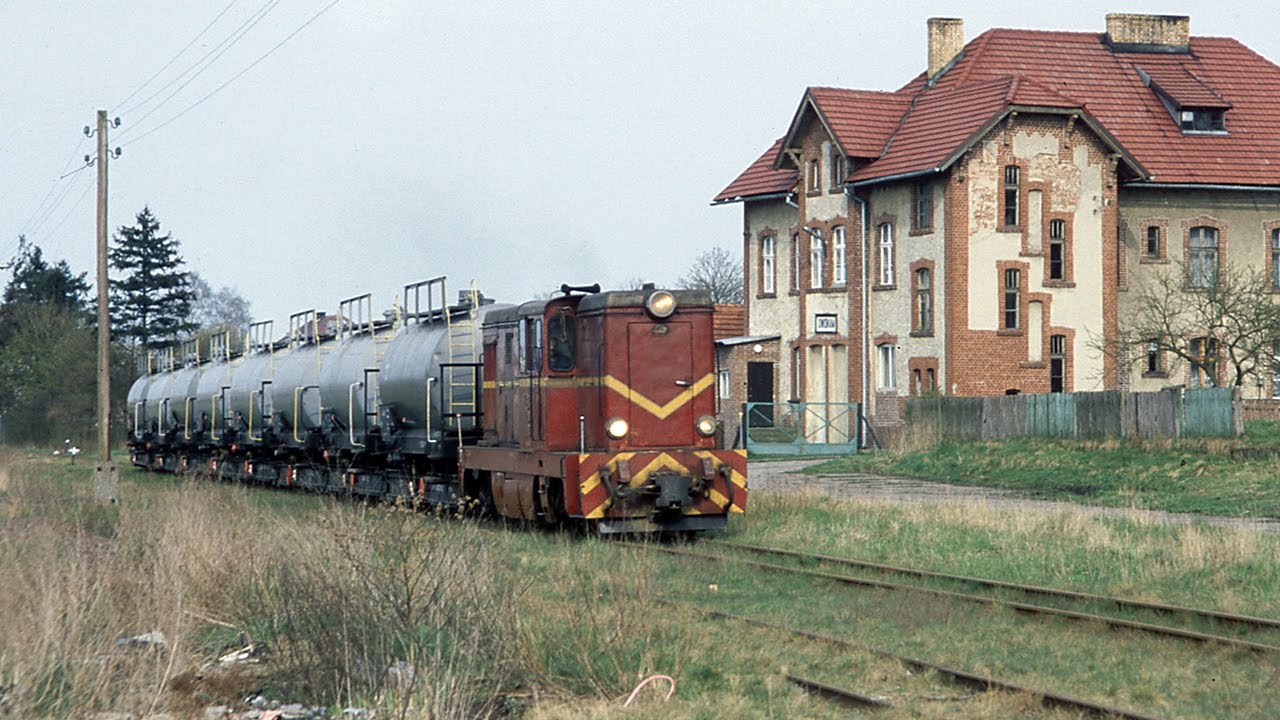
x,y
975,681
1072,615
1232,619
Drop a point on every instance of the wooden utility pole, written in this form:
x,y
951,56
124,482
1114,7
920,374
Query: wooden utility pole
x,y
105,478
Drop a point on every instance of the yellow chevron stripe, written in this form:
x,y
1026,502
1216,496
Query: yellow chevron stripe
x,y
593,481
662,412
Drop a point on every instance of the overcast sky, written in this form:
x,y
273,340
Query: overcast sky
x,y
521,145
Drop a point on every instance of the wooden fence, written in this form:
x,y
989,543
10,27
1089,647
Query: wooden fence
x,y
1212,412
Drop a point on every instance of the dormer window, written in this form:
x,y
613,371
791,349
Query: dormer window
x,y
1201,120
1196,106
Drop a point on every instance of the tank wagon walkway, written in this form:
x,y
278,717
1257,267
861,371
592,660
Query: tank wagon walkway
x,y
783,476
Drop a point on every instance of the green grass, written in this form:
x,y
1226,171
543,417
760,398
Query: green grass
x,y
1218,477
562,626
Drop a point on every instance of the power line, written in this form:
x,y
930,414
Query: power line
x,y
179,54
207,60
75,153
54,232
237,76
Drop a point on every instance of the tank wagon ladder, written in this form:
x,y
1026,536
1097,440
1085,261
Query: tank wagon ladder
x,y
355,316
304,329
459,380
260,339
463,356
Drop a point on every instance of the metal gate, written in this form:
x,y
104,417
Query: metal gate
x,y
802,428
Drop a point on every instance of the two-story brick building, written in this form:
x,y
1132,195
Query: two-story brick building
x,y
979,231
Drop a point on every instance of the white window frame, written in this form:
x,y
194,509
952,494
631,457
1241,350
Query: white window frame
x,y
886,253
924,300
722,382
1275,259
837,255
1203,243
817,256
888,379
795,261
767,267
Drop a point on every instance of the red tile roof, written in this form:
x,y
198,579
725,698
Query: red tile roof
x,y
760,179
729,320
948,120
861,120
1107,84
1054,71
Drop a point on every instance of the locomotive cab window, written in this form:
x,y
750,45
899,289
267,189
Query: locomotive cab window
x,y
560,342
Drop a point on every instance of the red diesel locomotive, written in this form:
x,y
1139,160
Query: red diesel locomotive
x,y
599,408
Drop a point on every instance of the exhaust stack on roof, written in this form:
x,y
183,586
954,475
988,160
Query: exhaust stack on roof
x,y
946,40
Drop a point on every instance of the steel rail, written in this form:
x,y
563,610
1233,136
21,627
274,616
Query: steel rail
x,y
1259,622
837,693
982,683
983,600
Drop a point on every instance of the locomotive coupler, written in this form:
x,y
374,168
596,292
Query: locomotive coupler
x,y
673,492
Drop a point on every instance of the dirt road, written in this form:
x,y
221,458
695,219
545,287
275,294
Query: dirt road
x,y
771,476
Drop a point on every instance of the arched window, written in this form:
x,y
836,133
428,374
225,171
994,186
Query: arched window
x,y
1057,363
888,378
1057,248
795,261
837,255
1012,183
1204,363
1012,279
817,255
924,301
1202,256
886,253
767,264
1275,259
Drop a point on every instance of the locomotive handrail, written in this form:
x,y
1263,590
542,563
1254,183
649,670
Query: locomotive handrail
x,y
351,414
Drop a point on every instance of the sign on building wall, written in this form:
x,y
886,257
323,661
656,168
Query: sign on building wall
x,y
824,323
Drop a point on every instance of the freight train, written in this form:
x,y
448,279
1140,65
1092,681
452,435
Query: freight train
x,y
590,409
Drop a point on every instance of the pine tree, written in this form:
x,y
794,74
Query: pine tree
x,y
151,298
36,282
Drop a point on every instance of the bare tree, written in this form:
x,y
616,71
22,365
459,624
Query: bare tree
x,y
718,272
1232,319
218,311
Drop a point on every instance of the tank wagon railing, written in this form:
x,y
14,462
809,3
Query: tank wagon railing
x,y
433,291
262,336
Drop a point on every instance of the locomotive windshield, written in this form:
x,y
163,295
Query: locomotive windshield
x,y
560,342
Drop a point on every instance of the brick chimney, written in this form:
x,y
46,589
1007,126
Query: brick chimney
x,y
946,40
1149,33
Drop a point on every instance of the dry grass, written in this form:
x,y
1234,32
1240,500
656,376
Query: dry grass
x,y
380,606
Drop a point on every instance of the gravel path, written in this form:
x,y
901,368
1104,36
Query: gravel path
x,y
777,476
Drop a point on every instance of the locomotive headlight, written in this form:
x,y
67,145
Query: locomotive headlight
x,y
661,304
706,426
616,428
